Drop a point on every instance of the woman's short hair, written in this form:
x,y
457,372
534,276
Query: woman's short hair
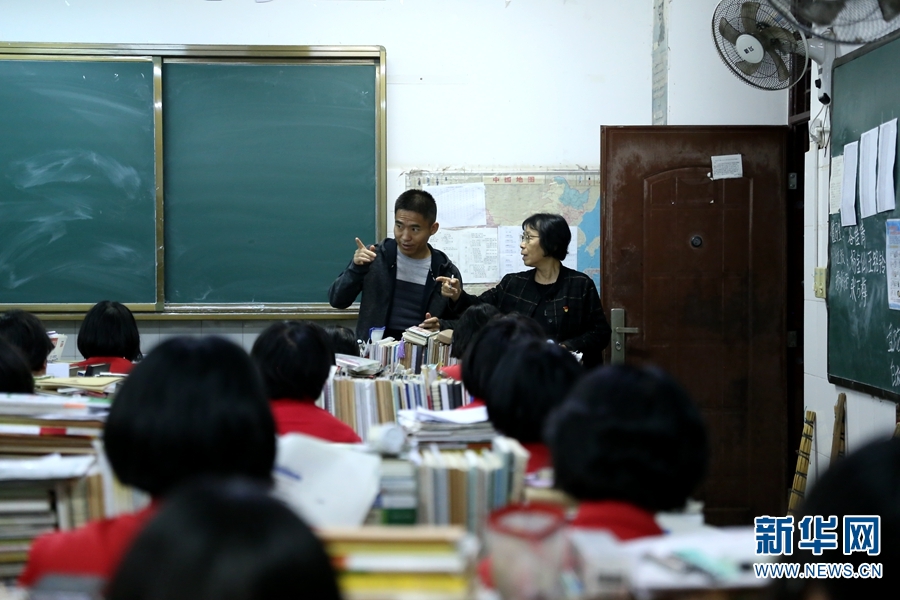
x,y
109,329
470,323
490,345
553,233
26,332
343,340
194,406
865,482
527,385
628,433
224,539
295,358
15,376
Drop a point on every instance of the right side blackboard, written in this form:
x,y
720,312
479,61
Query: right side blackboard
x,y
863,333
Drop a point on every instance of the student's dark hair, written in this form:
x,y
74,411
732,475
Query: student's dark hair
x,y
470,323
15,376
224,539
194,406
294,358
490,345
553,231
527,385
109,329
343,340
26,332
628,433
865,482
418,201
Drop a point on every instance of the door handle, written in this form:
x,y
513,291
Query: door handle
x,y
619,331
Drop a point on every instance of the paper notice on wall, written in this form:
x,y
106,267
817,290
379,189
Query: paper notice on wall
x,y
887,154
848,186
473,250
834,188
571,260
727,166
459,205
868,155
892,255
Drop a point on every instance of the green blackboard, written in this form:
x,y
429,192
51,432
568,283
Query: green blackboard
x,y
270,174
213,179
77,181
863,333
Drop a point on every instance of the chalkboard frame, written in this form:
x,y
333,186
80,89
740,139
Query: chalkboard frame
x,y
374,56
839,138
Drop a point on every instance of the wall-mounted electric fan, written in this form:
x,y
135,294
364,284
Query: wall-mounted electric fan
x,y
760,46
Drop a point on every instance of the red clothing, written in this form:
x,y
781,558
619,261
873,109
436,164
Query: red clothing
x,y
94,549
624,520
540,457
303,416
116,364
475,403
453,371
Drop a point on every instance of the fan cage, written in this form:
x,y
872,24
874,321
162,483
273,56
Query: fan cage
x,y
766,76
858,22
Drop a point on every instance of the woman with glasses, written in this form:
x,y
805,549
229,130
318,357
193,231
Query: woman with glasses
x,y
564,301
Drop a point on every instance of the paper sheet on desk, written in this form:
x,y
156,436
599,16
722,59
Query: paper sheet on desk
x,y
460,417
326,484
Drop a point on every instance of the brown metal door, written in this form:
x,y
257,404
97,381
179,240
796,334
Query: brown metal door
x,y
699,267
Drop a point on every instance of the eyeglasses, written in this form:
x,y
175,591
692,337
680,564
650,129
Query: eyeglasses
x,y
527,238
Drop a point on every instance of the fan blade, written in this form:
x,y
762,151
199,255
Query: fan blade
x,y
749,10
889,9
728,31
747,68
820,12
778,38
782,69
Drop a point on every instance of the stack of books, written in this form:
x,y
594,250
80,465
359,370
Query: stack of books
x,y
35,424
417,348
461,487
398,497
99,387
26,511
362,403
402,563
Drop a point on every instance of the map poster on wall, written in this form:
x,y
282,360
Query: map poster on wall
x,y
510,198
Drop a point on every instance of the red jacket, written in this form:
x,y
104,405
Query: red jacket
x,y
624,520
94,549
116,364
303,416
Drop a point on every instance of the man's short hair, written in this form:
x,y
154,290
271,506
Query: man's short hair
x,y
417,201
26,332
109,329
553,233
628,433
194,406
294,358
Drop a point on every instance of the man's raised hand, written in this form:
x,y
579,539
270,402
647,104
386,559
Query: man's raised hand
x,y
363,255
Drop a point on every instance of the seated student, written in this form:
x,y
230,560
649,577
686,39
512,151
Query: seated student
x,y
865,482
295,359
219,540
15,376
109,334
528,383
193,407
627,442
343,340
26,332
489,346
470,323
396,277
